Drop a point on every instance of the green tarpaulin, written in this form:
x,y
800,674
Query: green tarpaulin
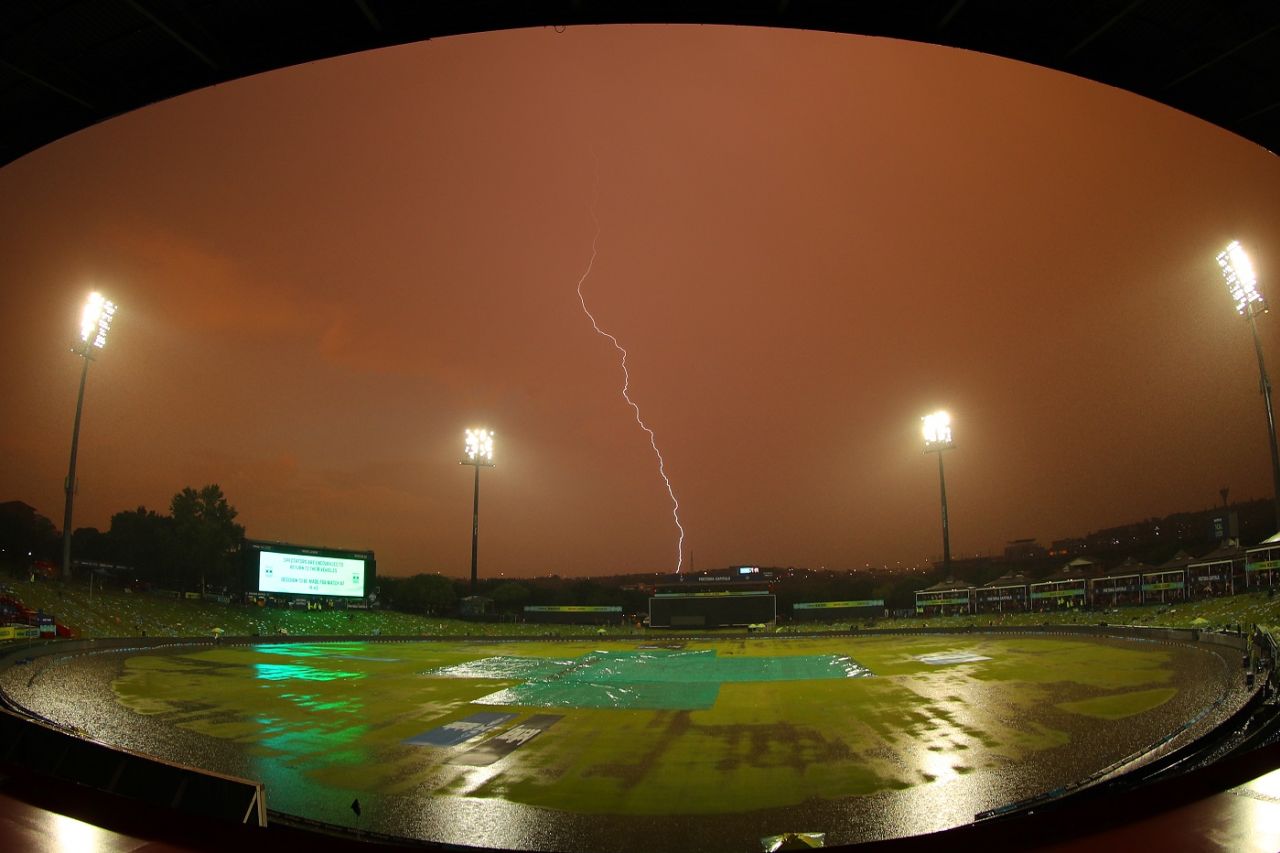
x,y
650,679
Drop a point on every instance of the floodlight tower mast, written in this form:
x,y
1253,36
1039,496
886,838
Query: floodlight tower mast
x,y
95,322
1242,283
937,438
479,452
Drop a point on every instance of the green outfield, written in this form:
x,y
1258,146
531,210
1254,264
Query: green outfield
x,y
595,727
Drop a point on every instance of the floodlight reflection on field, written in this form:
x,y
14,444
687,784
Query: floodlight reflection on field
x,y
285,671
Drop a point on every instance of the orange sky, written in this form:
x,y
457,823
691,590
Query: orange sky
x,y
807,242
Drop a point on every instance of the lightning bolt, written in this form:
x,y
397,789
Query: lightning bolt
x,y
626,374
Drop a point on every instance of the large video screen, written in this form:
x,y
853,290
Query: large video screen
x,y
293,570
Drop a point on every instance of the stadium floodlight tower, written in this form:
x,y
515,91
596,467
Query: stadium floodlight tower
x,y
937,438
479,452
95,322
1242,282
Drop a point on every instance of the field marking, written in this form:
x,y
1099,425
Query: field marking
x,y
948,658
504,743
468,728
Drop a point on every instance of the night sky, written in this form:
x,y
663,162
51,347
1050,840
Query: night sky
x,y
807,241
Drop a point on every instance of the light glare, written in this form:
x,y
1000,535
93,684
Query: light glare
x,y
479,446
1237,269
937,429
95,320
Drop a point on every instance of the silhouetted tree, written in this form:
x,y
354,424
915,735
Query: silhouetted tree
x,y
89,543
207,536
25,533
143,540
510,596
421,593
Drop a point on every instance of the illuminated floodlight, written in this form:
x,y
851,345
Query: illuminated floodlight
x,y
479,447
937,431
479,450
95,320
937,438
1237,269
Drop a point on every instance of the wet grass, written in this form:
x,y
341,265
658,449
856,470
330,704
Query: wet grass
x,y
335,716
1120,705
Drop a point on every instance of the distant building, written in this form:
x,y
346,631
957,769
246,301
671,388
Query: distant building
x,y
1068,547
474,606
971,567
1024,549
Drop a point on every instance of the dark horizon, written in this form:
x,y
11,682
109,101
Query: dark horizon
x,y
1249,515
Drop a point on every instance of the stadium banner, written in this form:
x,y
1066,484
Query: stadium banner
x,y
569,608
1059,593
1156,587
837,605
18,632
930,601
712,593
1262,566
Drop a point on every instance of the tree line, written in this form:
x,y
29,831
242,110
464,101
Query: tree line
x,y
195,544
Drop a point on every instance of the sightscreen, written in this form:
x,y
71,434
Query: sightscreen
x,y
711,610
297,570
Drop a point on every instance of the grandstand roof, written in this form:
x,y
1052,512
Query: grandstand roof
x,y
1078,569
1222,552
1010,578
948,585
1270,540
1179,560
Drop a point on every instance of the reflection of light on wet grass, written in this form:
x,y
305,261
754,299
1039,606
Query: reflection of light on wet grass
x,y
322,744
283,671
938,766
474,779
308,700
